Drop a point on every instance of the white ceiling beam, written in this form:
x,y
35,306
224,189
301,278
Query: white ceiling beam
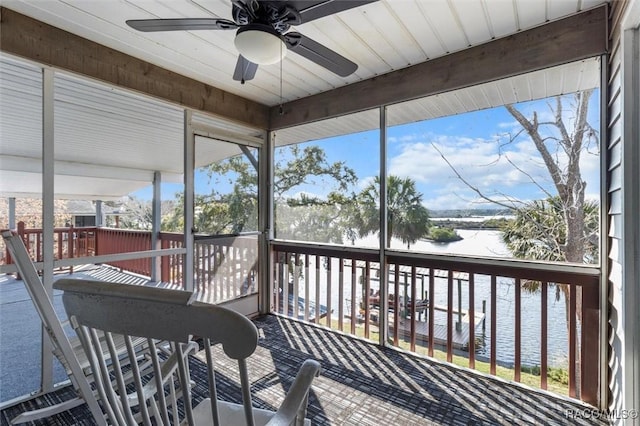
x,y
71,168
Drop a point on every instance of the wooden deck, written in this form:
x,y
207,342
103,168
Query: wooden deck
x,y
366,385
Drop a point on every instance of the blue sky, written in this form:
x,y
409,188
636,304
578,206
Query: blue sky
x,y
474,144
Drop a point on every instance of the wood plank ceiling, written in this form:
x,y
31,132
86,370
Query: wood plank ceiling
x,y
146,134
380,37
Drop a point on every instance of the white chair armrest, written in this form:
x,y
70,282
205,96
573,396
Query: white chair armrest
x,y
297,396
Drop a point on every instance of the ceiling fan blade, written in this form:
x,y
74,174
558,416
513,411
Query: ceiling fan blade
x,y
245,70
314,9
321,55
181,24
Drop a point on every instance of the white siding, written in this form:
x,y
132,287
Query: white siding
x,y
623,179
614,155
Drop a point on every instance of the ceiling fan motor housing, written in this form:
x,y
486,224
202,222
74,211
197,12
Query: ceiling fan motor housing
x,y
260,44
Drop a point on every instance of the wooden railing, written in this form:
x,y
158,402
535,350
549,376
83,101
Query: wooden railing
x,y
171,267
225,266
68,242
433,305
112,241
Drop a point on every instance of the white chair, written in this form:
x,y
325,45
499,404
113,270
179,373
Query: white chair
x,y
68,349
63,348
97,307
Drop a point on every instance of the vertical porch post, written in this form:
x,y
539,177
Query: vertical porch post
x,y
47,214
12,213
384,273
603,285
265,224
189,161
156,217
99,215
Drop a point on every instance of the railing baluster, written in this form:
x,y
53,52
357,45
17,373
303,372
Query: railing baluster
x,y
227,272
306,287
396,304
543,335
354,282
450,316
365,299
276,281
329,262
199,266
39,247
432,300
518,330
317,319
296,274
341,294
414,284
285,286
58,237
237,277
209,289
219,279
472,321
494,327
70,246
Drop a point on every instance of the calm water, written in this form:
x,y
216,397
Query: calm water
x,y
475,242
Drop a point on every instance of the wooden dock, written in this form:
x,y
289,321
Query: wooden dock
x,y
460,335
460,338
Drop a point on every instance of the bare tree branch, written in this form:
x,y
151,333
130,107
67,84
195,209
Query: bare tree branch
x,y
532,130
535,182
473,188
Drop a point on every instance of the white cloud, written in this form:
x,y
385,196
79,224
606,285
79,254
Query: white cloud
x,y
480,163
364,182
509,125
403,138
476,160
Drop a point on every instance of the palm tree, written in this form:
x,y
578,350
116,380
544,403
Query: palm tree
x,y
407,218
539,232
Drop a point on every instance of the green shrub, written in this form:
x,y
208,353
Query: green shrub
x,y
444,235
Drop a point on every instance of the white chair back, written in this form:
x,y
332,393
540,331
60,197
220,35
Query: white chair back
x,y
99,308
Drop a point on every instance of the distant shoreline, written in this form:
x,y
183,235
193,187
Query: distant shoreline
x,y
489,223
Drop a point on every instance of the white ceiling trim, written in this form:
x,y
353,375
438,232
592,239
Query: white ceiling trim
x,y
564,79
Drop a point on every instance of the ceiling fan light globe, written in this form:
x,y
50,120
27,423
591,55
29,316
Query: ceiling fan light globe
x,y
260,47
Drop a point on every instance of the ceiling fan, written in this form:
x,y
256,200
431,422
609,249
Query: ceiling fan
x,y
263,35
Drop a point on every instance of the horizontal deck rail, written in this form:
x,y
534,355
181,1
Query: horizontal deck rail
x,y
68,242
225,266
433,304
